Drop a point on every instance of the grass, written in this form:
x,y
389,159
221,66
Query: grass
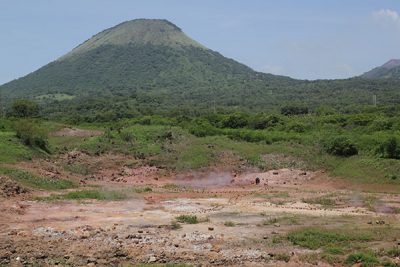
x,y
189,219
175,225
323,201
287,220
142,189
83,169
30,180
87,194
319,238
366,259
229,224
11,149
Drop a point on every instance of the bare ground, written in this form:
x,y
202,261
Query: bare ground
x,y
239,219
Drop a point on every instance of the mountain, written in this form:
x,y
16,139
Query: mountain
x,y
149,66
389,70
134,57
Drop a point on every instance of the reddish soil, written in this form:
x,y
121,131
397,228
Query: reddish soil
x,y
139,229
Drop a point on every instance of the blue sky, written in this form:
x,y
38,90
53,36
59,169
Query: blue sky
x,y
306,39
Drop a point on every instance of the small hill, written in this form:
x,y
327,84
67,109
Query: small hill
x,y
389,70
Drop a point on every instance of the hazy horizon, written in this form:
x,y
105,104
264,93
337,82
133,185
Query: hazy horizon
x,y
307,40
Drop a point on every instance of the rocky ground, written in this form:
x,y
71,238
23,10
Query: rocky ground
x,y
239,220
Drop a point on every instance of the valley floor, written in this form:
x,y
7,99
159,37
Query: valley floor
x,y
291,218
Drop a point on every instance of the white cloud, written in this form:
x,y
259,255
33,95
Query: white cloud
x,y
387,16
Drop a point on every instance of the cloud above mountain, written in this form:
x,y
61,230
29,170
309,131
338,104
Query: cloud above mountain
x,y
387,16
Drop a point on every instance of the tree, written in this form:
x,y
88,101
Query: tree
x,y
294,110
25,108
389,149
340,146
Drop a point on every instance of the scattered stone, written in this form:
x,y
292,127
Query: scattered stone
x,y
152,259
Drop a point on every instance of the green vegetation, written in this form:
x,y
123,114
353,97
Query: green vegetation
x,y
31,134
324,201
144,67
229,224
30,180
341,146
11,149
366,259
286,219
189,219
87,194
320,238
142,189
25,108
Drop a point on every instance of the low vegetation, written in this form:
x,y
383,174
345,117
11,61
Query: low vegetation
x,y
28,179
87,194
189,219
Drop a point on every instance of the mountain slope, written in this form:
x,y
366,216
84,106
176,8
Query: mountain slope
x,y
134,55
389,70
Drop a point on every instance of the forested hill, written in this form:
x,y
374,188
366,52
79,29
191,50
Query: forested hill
x,y
151,66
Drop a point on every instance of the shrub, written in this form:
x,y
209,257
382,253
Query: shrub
x,y
261,122
340,146
31,134
294,110
202,128
235,121
296,127
229,224
366,259
25,108
389,149
190,219
317,238
127,136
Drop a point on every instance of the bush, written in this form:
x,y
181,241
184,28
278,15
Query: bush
x,y
365,259
25,108
261,122
340,146
294,110
202,128
229,224
190,219
296,127
127,136
389,149
31,134
235,121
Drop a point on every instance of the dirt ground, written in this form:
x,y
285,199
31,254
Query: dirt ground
x,y
239,218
